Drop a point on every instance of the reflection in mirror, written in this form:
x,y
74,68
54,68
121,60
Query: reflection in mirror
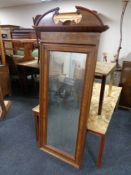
x,y
66,76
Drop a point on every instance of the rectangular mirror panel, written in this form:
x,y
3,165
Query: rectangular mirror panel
x,y
65,83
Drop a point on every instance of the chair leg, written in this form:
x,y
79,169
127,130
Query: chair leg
x,y
101,149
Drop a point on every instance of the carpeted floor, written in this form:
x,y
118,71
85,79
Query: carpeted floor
x,y
19,154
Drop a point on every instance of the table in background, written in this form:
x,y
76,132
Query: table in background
x,y
102,70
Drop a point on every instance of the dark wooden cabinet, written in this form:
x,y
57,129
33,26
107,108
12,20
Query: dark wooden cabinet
x,y
125,83
68,49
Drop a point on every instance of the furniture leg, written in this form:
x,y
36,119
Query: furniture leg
x,y
101,149
101,94
111,83
36,122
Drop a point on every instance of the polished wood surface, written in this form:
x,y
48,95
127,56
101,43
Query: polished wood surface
x,y
67,38
125,83
90,21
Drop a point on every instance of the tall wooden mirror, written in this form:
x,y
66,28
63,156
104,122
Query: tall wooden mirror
x,y
68,50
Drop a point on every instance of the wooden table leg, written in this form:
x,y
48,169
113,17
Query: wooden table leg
x,y
101,94
36,123
111,83
101,149
101,146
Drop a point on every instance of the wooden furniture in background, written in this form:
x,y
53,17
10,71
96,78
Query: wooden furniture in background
x,y
59,39
101,72
5,80
23,33
6,31
15,32
125,83
97,124
26,44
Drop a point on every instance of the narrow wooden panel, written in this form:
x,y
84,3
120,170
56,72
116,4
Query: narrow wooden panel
x,y
66,38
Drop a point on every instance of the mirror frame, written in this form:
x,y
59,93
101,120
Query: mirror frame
x,y
85,100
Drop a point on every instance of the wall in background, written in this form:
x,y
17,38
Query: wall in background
x,y
110,12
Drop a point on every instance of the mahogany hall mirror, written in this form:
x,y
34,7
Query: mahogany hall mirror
x,y
68,49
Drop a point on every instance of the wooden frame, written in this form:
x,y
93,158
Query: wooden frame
x,y
90,51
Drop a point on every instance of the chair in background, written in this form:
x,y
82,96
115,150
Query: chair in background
x,y
125,83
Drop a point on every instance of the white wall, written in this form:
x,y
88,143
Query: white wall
x,y
110,13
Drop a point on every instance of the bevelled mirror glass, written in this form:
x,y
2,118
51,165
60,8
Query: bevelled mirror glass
x,y
65,83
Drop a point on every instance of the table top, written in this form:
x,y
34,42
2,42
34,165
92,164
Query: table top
x,y
101,67
100,123
31,64
104,68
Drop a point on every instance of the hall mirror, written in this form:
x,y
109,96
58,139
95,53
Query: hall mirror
x,y
68,49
